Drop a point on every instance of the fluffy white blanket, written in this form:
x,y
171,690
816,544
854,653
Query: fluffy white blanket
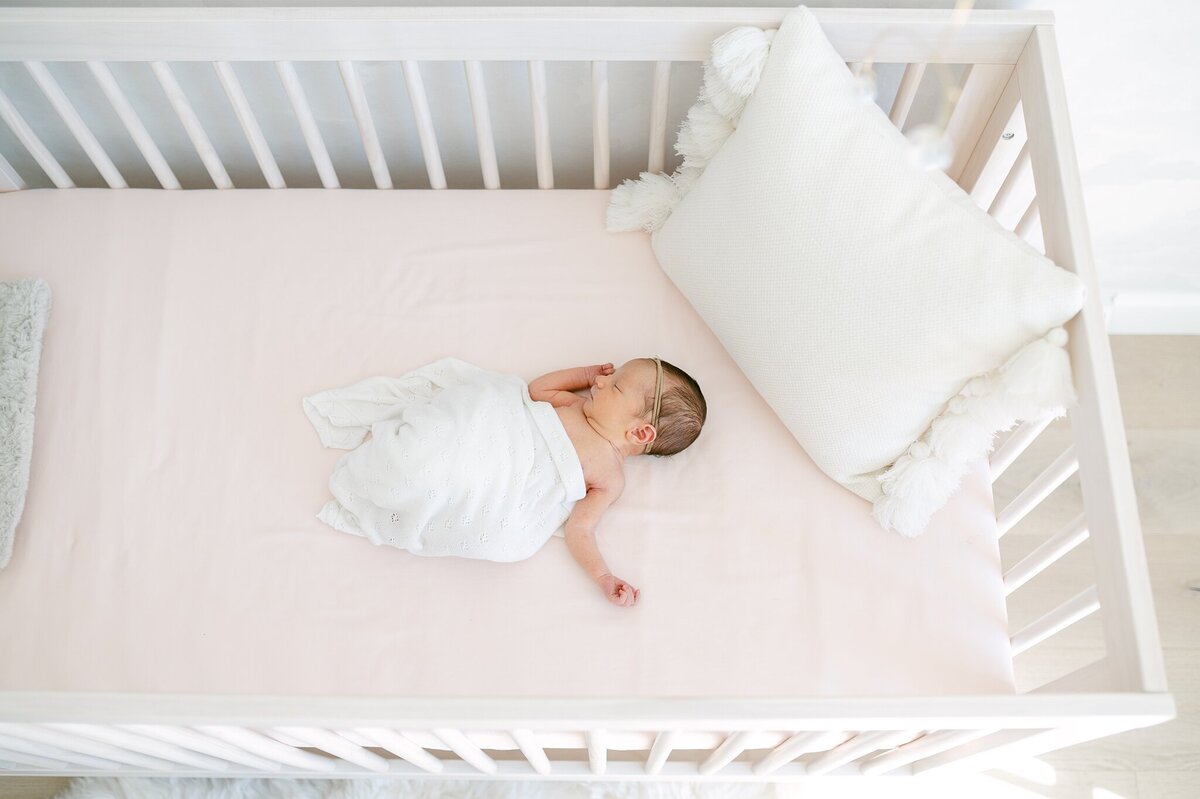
x,y
460,462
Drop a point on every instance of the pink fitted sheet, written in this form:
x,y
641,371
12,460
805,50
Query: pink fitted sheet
x,y
169,541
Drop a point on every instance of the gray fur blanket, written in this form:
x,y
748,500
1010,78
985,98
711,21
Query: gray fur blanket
x,y
24,309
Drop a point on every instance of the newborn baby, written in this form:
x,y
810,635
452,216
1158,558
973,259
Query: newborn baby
x,y
451,459
646,407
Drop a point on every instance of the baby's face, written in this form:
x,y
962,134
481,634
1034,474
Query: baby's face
x,y
619,400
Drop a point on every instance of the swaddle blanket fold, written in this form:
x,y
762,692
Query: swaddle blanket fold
x,y
461,461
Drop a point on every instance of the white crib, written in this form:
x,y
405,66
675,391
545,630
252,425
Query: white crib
x,y
1010,119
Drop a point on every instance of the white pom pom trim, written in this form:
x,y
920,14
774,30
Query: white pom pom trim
x,y
731,74
1033,384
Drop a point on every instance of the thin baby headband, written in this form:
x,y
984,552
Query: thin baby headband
x,y
657,401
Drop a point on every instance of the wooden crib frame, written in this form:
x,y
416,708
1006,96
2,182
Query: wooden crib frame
x,y
1013,86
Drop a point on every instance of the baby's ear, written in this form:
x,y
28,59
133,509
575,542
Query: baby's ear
x,y
644,434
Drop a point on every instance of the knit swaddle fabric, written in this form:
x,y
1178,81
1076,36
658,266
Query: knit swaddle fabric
x,y
461,461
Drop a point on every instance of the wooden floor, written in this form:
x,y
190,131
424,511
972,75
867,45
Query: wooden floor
x,y
1159,380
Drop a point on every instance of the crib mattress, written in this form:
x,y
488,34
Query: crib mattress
x,y
169,541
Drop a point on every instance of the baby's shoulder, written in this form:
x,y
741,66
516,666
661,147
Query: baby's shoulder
x,y
607,475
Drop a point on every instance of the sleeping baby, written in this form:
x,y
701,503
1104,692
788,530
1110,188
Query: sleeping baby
x,y
451,459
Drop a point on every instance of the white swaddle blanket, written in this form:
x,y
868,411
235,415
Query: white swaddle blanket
x,y
461,461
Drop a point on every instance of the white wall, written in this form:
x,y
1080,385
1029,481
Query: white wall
x,y
1130,70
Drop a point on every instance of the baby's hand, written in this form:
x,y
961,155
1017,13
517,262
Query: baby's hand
x,y
618,591
599,369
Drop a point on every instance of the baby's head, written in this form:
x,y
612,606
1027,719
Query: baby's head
x,y
626,400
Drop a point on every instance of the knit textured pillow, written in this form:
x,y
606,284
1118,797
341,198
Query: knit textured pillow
x,y
892,324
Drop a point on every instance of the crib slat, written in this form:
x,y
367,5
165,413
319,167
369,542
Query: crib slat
x,y
25,134
263,746
1004,194
799,744
468,751
483,125
308,124
366,126
1078,607
132,742
14,744
1042,486
658,116
338,746
597,751
1016,443
400,746
905,94
926,746
9,179
541,124
1027,220
1048,553
75,124
664,742
64,740
981,90
730,748
600,146
137,131
533,752
249,123
861,744
424,120
992,150
191,739
191,124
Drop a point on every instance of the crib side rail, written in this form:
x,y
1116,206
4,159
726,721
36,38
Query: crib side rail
x,y
744,740
487,34
61,130
1121,592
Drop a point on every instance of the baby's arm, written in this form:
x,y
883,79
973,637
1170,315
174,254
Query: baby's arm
x,y
557,387
581,540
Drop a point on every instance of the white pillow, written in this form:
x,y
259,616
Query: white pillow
x,y
891,323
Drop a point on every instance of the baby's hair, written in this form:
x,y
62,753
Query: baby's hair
x,y
681,414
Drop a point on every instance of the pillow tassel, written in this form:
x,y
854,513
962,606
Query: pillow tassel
x,y
731,73
642,204
1033,384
